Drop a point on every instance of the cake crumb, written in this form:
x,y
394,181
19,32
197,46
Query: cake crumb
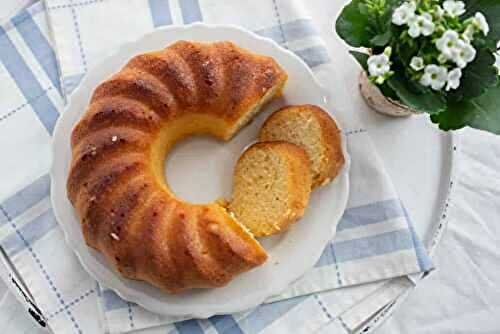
x,y
213,227
325,182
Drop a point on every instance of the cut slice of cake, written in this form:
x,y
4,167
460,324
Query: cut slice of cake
x,y
271,187
313,129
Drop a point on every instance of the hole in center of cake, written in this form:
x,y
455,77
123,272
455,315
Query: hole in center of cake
x,y
199,169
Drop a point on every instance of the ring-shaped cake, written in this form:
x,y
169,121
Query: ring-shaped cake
x,y
116,181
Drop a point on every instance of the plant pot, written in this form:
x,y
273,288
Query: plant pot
x,y
380,103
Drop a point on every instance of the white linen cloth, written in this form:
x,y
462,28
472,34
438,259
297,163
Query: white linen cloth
x,y
375,239
463,295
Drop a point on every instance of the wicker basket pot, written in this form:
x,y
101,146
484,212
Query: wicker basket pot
x,y
380,103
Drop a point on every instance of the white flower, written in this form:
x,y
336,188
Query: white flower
x,y
475,24
480,22
447,44
497,58
417,63
454,8
378,65
403,13
453,48
497,62
468,34
434,76
453,79
421,25
465,53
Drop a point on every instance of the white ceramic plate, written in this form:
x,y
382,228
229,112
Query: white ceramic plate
x,y
200,169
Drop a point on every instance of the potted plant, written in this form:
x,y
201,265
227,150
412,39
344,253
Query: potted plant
x,y
428,56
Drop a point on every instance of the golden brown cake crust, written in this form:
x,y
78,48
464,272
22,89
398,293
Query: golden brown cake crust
x,y
329,148
116,181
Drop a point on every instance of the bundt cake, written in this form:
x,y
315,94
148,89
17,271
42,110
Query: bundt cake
x,y
116,181
271,187
313,129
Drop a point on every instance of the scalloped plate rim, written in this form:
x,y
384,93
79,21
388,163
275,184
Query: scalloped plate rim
x,y
137,296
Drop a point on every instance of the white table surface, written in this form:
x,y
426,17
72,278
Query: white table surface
x,y
462,295
416,156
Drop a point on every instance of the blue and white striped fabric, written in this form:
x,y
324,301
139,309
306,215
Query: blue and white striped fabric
x,y
45,51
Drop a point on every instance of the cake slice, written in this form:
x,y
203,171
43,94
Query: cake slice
x,y
271,187
313,129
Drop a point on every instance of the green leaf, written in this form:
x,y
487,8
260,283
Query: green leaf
x,y
481,113
477,77
390,6
388,91
353,25
382,39
404,52
363,8
491,10
361,57
429,102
